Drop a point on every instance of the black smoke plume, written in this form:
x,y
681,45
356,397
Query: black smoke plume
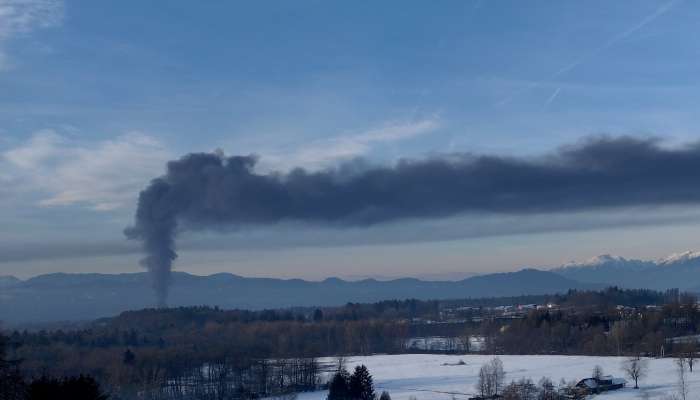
x,y
201,191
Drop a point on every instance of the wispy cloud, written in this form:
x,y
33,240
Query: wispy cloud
x,y
21,17
108,174
325,152
658,12
103,175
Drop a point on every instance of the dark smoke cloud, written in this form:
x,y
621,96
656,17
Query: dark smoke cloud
x,y
203,191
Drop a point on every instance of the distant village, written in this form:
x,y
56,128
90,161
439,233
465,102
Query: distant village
x,y
504,314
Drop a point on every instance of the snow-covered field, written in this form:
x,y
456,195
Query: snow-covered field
x,y
431,377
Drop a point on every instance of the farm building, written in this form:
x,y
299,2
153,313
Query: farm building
x,y
599,385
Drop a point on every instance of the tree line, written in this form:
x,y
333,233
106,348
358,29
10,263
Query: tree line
x,y
14,386
603,330
206,350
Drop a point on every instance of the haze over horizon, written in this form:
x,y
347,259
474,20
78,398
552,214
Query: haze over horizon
x,y
590,263
92,109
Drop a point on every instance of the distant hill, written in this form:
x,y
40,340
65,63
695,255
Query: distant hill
x,y
9,281
54,297
680,270
58,297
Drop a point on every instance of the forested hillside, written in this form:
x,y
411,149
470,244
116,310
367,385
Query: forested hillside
x,y
152,348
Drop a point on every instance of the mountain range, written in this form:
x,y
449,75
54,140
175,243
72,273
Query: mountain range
x,y
680,270
63,297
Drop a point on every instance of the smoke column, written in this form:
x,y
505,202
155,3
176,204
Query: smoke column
x,y
202,191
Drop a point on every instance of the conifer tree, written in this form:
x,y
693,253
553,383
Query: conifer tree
x,y
338,387
11,383
361,384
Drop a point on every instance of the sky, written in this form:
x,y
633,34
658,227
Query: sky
x,y
96,97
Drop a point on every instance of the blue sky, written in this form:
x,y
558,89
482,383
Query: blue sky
x,y
95,97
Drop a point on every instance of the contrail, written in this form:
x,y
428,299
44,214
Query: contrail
x,y
663,9
552,97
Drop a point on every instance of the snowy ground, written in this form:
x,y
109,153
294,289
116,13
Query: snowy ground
x,y
430,377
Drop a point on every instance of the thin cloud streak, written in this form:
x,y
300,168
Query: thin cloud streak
x,y
324,153
661,10
552,97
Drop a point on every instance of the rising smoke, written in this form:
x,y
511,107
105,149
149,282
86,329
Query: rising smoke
x,y
203,191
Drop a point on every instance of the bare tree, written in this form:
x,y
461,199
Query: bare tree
x,y
690,353
340,363
635,368
491,378
618,333
682,378
547,389
498,375
527,390
483,383
511,392
465,339
598,372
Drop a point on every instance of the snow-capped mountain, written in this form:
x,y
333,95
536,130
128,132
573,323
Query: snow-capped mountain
x,y
680,258
607,261
680,270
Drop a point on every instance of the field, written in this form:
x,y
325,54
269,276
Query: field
x,y
438,377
